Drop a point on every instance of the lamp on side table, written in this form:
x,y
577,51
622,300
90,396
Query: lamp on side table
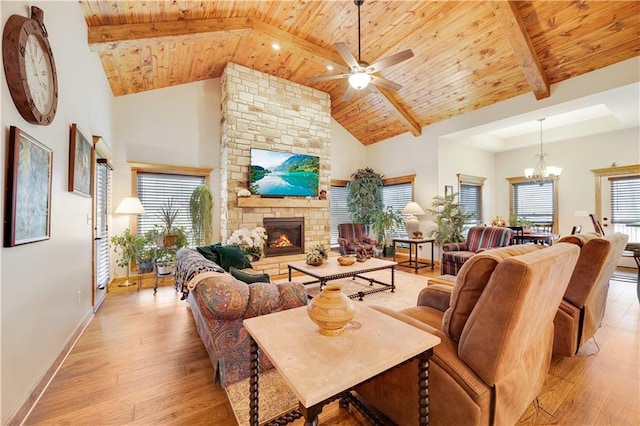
x,y
412,223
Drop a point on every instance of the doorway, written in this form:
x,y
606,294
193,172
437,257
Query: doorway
x,y
101,208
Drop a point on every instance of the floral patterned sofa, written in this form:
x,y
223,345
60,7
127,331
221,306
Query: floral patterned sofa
x,y
219,303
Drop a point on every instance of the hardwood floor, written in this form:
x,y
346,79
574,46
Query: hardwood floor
x,y
141,361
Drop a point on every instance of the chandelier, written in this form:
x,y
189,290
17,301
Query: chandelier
x,y
542,173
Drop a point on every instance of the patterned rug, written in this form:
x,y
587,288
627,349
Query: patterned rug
x,y
275,396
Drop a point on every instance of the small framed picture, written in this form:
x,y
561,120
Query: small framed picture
x,y
28,191
448,190
80,162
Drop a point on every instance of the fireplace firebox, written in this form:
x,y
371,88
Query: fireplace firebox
x,y
285,235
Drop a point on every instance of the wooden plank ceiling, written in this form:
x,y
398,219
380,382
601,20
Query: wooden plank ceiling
x,y
468,54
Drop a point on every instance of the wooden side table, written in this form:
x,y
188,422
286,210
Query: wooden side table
x,y
413,246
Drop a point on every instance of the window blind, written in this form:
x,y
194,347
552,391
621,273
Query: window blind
x,y
534,202
103,207
625,205
338,211
471,202
397,196
155,189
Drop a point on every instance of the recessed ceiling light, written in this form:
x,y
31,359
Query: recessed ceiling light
x,y
330,67
275,46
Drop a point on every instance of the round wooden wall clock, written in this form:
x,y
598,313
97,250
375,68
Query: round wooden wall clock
x,y
29,67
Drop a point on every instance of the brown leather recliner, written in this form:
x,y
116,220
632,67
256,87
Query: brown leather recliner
x,y
497,336
582,308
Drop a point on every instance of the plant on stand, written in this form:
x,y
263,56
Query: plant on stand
x,y
200,206
364,195
168,215
127,247
250,242
385,223
450,219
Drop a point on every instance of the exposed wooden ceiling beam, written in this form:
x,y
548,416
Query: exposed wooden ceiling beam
x,y
515,31
111,37
389,98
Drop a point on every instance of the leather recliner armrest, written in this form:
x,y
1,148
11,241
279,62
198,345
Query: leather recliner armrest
x,y
435,296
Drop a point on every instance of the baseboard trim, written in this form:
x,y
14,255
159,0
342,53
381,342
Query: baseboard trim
x,y
38,389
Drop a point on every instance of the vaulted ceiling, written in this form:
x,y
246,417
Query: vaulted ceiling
x,y
468,54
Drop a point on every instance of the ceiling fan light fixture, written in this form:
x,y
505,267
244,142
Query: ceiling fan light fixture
x,y
359,80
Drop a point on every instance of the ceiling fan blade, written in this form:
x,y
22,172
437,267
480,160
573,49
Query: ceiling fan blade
x,y
383,82
348,93
328,77
346,55
390,60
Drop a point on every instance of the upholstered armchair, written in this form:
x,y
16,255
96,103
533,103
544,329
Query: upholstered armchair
x,y
353,238
479,238
496,331
582,308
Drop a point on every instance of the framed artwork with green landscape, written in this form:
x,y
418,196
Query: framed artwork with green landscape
x,y
28,191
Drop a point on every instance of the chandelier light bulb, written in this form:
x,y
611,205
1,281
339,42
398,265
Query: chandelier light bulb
x,y
542,173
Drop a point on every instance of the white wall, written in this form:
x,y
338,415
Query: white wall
x,y
347,153
40,281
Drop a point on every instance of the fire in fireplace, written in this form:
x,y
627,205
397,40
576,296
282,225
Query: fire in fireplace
x,y
285,235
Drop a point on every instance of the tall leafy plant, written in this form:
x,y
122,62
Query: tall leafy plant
x,y
449,218
200,206
364,195
385,223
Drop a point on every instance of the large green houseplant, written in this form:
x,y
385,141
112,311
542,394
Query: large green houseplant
x,y
200,206
384,224
449,218
364,195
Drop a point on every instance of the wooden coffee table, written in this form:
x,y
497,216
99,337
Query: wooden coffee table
x,y
319,369
332,270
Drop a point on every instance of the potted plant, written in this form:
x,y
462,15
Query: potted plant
x,y
165,262
145,254
364,195
200,206
384,224
449,218
168,215
127,247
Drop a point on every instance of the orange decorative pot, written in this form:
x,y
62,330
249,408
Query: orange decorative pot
x,y
331,310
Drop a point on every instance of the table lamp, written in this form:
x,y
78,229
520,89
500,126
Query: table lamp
x,y
130,206
412,223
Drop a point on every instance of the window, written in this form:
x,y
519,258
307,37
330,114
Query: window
x,y
470,196
534,203
103,207
156,184
625,205
396,192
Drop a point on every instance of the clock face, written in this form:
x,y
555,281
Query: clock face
x,y
39,74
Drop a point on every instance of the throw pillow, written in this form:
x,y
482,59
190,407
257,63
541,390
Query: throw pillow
x,y
209,252
249,277
232,256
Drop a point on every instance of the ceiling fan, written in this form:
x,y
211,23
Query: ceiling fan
x,y
362,73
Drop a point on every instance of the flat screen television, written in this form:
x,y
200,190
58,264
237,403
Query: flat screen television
x,y
279,174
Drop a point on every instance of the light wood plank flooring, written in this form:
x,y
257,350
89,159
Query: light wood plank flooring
x,y
141,361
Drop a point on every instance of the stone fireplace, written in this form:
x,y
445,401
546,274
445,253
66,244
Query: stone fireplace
x,y
285,235
267,112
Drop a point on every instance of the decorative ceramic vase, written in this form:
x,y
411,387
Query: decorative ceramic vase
x,y
331,310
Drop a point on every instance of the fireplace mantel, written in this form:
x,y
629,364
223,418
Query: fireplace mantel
x,y
282,202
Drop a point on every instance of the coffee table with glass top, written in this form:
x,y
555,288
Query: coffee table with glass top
x,y
332,270
320,369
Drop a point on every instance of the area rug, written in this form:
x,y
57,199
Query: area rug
x,y
275,396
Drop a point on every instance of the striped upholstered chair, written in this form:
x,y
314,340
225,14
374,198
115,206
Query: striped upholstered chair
x,y
479,238
353,238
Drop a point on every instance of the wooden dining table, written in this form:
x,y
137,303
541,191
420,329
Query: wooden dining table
x,y
545,238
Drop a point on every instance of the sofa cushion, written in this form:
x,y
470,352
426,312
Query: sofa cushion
x,y
232,256
249,276
210,252
222,297
471,282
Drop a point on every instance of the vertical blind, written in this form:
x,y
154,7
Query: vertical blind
x,y
471,202
103,207
397,196
155,189
533,202
625,205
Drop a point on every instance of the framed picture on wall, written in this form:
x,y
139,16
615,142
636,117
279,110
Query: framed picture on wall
x,y
28,191
448,190
80,164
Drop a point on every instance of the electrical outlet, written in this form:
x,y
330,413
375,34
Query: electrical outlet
x,y
79,296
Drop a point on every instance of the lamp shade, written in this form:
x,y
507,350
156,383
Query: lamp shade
x,y
413,209
130,205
